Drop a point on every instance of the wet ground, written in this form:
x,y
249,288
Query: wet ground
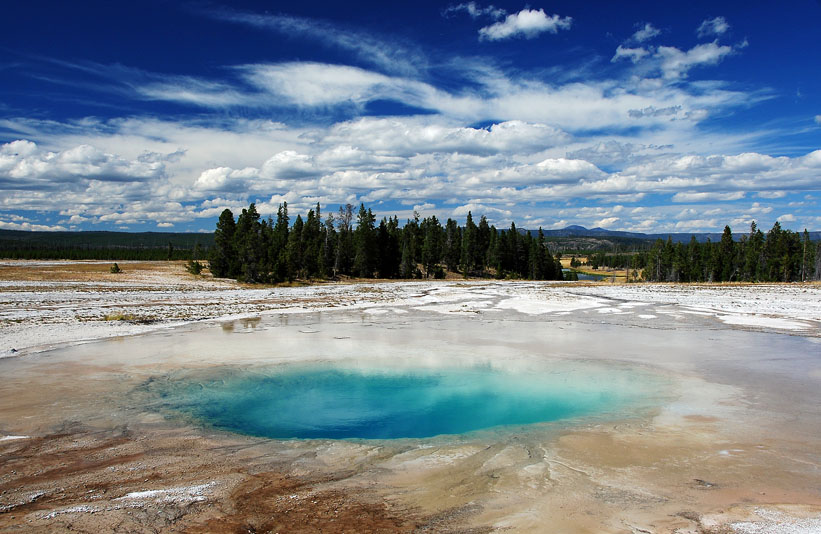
x,y
731,442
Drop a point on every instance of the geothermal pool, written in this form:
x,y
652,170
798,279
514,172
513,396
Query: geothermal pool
x,y
498,405
350,402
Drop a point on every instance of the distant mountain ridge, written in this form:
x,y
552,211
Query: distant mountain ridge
x,y
681,237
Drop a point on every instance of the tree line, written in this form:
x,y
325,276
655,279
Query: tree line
x,y
142,246
777,256
256,250
75,253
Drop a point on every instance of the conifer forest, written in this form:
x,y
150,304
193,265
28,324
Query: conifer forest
x,y
256,250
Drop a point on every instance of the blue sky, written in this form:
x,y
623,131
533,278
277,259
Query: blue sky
x,y
638,116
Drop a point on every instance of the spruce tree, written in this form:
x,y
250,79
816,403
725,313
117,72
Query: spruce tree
x,y
817,269
469,242
278,246
490,260
482,243
295,249
365,244
726,256
453,245
344,241
223,255
695,265
806,261
249,245
432,244
312,240
754,254
329,246
407,267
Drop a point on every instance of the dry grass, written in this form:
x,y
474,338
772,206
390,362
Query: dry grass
x,y
82,271
99,271
120,316
621,275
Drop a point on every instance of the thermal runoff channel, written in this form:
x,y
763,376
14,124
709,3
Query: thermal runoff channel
x,y
321,401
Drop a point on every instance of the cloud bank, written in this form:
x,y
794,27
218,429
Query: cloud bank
x,y
626,147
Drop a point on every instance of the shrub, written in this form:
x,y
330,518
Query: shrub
x,y
194,267
438,272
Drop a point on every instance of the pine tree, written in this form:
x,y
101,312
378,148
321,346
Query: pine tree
x,y
365,244
514,249
726,256
817,270
653,271
453,245
754,254
492,255
774,254
223,255
407,267
295,249
679,269
329,246
249,245
344,242
482,244
469,240
278,246
389,238
258,251
432,245
806,246
312,239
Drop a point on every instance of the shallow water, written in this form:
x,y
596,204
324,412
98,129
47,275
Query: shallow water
x,y
584,344
586,276
338,402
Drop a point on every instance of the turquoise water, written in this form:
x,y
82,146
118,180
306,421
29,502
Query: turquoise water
x,y
342,403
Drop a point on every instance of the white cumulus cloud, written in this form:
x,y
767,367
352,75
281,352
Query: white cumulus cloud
x,y
633,54
707,196
224,179
24,163
527,22
408,136
714,26
512,169
317,84
676,63
29,227
475,10
607,221
646,33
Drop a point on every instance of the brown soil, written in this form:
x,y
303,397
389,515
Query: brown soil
x,y
77,480
71,477
85,271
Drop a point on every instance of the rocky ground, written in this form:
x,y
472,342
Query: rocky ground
x,y
734,451
46,304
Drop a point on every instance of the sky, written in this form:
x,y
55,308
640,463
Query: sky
x,y
640,116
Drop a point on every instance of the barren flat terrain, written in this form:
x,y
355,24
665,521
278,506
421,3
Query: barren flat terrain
x,y
729,444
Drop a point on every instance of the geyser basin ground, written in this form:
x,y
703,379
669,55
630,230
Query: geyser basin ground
x,y
729,443
344,402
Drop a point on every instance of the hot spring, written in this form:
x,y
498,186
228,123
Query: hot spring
x,y
353,402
